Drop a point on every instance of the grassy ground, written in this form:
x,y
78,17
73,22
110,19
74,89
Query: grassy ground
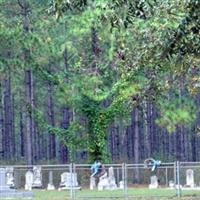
x,y
135,194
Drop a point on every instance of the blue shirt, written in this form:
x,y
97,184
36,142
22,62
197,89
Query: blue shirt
x,y
95,168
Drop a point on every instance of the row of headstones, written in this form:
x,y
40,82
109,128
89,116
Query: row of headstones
x,y
189,180
7,186
33,179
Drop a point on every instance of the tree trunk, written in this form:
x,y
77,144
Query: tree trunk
x,y
30,151
64,154
1,122
13,137
65,124
51,121
29,119
147,124
7,119
135,117
22,133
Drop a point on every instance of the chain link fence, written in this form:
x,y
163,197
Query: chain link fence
x,y
128,180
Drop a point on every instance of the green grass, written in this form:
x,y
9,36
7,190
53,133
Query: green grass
x,y
134,193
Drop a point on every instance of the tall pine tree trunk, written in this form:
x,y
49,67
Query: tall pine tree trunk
x,y
7,119
51,121
30,151
29,118
22,131
64,154
147,142
1,122
13,137
135,130
65,124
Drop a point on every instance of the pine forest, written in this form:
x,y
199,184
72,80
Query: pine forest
x,y
117,80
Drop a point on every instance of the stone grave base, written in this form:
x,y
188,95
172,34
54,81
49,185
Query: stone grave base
x,y
190,188
69,188
14,194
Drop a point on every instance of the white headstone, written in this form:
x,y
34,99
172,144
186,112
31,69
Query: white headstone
x,y
10,176
29,180
50,185
190,178
92,183
111,179
171,184
121,185
10,193
68,181
103,182
37,177
3,184
154,182
107,181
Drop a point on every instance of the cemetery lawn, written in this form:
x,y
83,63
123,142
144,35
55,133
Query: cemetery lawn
x,y
135,194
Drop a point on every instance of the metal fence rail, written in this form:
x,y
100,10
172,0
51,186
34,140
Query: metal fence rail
x,y
132,180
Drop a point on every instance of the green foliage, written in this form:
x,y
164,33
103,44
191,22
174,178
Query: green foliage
x,y
144,49
139,32
69,136
175,112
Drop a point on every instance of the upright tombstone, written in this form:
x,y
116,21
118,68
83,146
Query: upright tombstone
x,y
50,185
111,179
37,177
28,180
171,184
10,177
6,191
190,178
68,181
92,183
3,184
103,182
107,181
121,185
154,182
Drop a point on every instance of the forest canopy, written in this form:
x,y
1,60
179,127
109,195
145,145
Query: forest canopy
x,y
84,78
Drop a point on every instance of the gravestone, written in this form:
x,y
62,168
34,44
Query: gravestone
x,y
190,178
3,184
68,181
107,182
29,180
154,182
7,192
111,179
50,185
92,183
171,184
121,185
37,177
10,176
103,182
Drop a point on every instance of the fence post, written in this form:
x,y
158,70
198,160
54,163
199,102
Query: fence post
x,y
124,178
175,180
118,175
71,188
178,179
166,173
74,171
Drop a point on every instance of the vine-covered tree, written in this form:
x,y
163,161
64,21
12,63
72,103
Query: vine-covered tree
x,y
112,79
